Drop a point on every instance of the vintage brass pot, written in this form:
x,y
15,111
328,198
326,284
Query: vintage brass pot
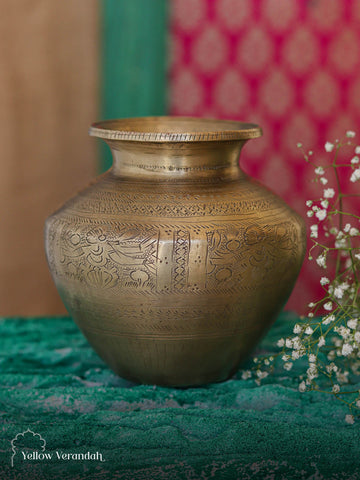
x,y
174,263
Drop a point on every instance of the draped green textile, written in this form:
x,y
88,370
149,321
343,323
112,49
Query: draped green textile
x,y
133,60
54,384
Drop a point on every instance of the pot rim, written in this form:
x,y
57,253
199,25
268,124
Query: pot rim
x,y
174,129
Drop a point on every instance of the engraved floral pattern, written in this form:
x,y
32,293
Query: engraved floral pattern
x,y
128,255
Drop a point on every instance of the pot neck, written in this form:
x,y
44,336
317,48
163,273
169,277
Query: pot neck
x,y
171,161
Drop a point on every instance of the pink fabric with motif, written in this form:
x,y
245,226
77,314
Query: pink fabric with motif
x,y
292,66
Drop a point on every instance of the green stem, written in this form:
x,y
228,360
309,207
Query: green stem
x,y
338,258
341,213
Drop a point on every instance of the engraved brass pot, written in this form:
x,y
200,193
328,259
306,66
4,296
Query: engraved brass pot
x,y
174,263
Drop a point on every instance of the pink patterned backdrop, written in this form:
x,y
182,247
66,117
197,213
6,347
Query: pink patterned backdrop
x,y
292,66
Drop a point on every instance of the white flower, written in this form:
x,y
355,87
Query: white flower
x,y
355,175
288,343
328,319
339,292
329,193
329,147
321,214
246,374
346,228
324,281
310,213
312,358
309,203
337,342
342,331
302,387
321,342
357,337
346,349
297,343
355,159
354,232
328,306
280,342
357,149
314,231
299,145
350,134
342,243
321,261
349,419
309,330
358,403
288,366
336,388
331,368
324,203
312,372
261,374
348,263
352,323
342,377
295,355
319,171
311,305
323,180
357,256
285,358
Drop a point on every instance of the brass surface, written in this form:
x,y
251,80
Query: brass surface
x,y
174,263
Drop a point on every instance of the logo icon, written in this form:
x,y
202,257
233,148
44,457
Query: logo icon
x,y
27,441
30,447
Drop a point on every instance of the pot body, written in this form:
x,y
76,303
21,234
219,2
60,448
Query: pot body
x,y
174,263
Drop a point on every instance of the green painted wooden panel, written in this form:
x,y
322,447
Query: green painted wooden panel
x,y
133,61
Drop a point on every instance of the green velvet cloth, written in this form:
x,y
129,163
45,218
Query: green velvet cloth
x,y
54,384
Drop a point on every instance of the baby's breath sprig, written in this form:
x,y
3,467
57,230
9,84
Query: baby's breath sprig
x,y
328,339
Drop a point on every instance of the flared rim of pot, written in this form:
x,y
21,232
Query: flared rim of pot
x,y
173,129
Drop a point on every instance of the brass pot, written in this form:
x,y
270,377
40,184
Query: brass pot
x,y
174,263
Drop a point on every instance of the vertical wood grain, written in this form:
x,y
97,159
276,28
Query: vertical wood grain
x,y
48,98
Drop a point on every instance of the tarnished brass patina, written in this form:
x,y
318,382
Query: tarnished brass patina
x,y
174,263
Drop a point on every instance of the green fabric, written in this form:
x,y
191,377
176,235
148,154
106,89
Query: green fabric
x,y
133,57
53,383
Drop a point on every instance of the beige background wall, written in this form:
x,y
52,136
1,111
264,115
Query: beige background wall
x,y
48,98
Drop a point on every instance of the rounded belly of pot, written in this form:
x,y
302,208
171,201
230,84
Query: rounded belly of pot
x,y
179,298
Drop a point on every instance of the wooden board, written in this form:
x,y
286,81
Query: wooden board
x,y
48,98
